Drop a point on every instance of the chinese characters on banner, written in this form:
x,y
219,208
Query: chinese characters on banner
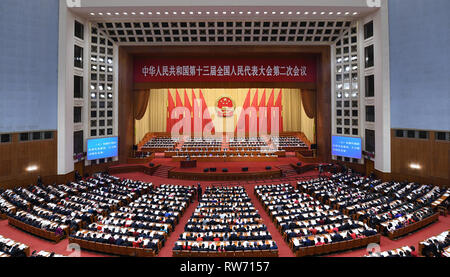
x,y
154,70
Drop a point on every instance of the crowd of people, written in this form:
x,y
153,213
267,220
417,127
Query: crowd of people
x,y
305,221
437,246
225,220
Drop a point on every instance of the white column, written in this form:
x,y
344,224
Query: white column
x,y
382,91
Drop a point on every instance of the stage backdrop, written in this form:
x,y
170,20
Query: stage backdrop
x,y
294,116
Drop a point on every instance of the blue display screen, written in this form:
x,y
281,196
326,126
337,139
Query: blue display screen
x,y
346,147
102,148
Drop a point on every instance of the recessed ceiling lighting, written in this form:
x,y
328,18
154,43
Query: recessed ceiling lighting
x,y
133,13
216,12
257,12
330,13
241,12
158,13
355,13
281,12
183,13
338,13
314,13
265,12
298,12
32,168
207,12
322,13
117,13
174,12
92,13
273,12
289,12
100,13
347,13
199,12
150,13
232,12
306,13
249,12
166,13
224,12
108,13
415,166
125,13
141,13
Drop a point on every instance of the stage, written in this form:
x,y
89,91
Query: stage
x,y
256,170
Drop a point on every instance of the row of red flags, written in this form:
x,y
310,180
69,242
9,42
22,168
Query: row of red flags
x,y
199,105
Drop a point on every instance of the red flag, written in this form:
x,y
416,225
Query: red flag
x,y
242,118
279,105
269,110
188,105
206,116
262,104
179,104
170,107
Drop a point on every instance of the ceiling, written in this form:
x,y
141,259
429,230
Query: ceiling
x,y
138,23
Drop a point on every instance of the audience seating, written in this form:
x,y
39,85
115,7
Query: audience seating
x,y
310,227
225,224
436,246
11,248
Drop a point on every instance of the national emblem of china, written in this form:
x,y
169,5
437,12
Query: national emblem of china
x,y
225,106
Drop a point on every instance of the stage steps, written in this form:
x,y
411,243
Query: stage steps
x,y
163,171
287,170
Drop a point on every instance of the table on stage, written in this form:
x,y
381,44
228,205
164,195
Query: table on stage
x,y
188,164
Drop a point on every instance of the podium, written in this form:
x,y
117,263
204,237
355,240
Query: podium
x,y
188,164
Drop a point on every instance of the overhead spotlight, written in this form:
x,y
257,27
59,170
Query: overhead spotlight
x,y
100,13
183,13
314,13
241,12
158,13
249,12
322,13
289,12
150,13
347,13
92,13
141,13
108,13
281,12
232,12
125,13
166,13
330,13
265,12
256,12
273,12
191,12
306,13
117,13
298,13
199,12
338,13
174,12
415,166
207,12
355,13
216,12
224,12
133,13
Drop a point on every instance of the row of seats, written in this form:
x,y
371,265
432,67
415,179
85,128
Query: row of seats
x,y
144,223
224,221
306,222
436,246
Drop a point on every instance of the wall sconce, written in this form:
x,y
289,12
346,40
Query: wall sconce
x,y
32,168
415,166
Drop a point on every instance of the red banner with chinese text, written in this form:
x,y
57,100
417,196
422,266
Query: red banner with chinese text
x,y
224,70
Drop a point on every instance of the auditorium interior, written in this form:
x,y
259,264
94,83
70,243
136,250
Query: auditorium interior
x,y
224,129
